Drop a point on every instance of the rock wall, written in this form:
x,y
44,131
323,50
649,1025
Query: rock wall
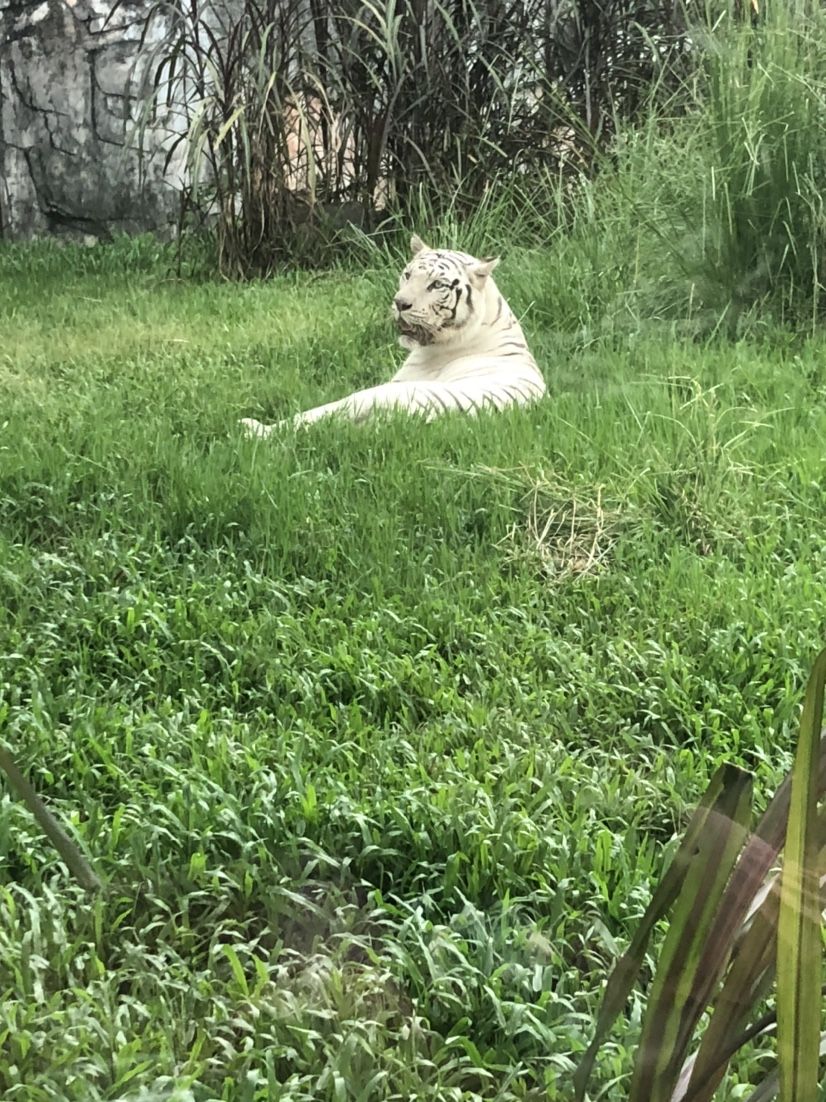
x,y
68,160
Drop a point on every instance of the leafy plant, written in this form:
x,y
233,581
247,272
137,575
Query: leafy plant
x,y
734,924
294,118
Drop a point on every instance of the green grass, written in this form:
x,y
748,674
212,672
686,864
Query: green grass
x,y
378,776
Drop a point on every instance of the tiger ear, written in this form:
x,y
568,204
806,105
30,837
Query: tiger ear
x,y
481,269
417,245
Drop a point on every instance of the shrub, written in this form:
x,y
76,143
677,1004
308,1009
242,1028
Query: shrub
x,y
299,116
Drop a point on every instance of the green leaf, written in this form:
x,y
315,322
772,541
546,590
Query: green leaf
x,y
237,969
798,933
744,985
746,922
667,1028
716,798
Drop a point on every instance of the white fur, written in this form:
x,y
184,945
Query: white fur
x,y
467,349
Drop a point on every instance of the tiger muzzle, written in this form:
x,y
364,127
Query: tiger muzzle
x,y
409,328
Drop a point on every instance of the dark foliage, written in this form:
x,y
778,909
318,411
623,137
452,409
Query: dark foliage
x,y
299,116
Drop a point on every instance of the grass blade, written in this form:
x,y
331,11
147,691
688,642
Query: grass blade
x,y
798,934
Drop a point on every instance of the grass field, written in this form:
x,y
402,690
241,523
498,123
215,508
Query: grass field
x,y
379,737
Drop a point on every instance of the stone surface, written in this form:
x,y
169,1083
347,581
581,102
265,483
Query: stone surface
x,y
71,72
68,160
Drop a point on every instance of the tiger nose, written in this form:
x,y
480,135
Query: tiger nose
x,y
401,304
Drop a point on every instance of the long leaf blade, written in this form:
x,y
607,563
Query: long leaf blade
x,y
742,988
671,1006
746,982
798,933
65,846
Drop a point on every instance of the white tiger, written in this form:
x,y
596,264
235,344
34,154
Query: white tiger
x,y
467,350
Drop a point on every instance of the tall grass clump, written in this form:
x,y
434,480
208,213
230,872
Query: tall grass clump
x,y
764,93
294,118
669,160
707,208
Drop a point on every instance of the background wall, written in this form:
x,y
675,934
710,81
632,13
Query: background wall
x,y
67,104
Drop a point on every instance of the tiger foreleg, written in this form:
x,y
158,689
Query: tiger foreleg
x,y
357,407
256,428
429,399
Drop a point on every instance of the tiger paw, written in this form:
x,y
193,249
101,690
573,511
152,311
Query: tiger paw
x,y
255,428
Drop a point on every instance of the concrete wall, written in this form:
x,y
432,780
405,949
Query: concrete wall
x,y
67,109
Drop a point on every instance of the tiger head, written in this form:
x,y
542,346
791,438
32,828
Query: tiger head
x,y
441,296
